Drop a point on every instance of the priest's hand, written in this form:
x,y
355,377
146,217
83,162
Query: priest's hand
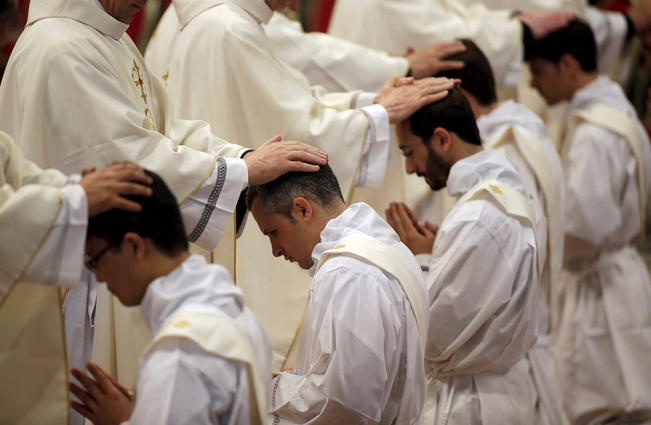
x,y
103,400
418,238
544,23
106,188
401,97
431,60
275,158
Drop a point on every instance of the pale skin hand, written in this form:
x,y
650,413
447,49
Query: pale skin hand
x,y
105,188
402,96
103,400
543,23
431,60
275,158
418,238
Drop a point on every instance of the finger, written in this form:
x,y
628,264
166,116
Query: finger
x,y
83,396
302,167
82,378
302,156
104,384
405,221
409,50
450,65
134,173
431,227
123,204
83,410
274,139
410,213
131,189
124,390
403,81
451,48
393,219
426,100
299,146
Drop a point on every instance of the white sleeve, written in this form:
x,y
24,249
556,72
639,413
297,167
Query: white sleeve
x,y
610,30
376,147
347,318
60,259
180,384
208,211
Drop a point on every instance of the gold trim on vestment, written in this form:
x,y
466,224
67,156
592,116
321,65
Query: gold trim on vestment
x,y
351,190
198,186
38,248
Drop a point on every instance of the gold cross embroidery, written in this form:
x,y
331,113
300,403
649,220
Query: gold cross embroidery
x,y
181,324
137,80
166,76
495,189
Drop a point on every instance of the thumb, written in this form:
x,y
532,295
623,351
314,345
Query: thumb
x,y
274,139
431,227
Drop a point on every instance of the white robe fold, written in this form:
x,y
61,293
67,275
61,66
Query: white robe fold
x,y
220,66
392,25
76,93
483,291
605,331
359,354
549,407
333,63
178,381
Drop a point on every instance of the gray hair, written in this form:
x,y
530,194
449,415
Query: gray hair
x,y
277,196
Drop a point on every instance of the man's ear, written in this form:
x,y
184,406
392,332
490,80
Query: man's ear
x,y
302,209
441,140
567,63
135,245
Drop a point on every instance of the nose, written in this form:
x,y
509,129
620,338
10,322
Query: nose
x,y
409,167
276,250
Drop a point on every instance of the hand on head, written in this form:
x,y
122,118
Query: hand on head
x,y
544,23
276,158
431,60
107,187
418,238
402,96
103,400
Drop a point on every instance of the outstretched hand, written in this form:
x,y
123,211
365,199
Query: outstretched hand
x,y
431,60
103,400
418,238
543,23
402,96
275,158
106,188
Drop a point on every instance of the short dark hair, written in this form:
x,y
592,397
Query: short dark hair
x,y
159,220
277,196
476,76
576,39
452,113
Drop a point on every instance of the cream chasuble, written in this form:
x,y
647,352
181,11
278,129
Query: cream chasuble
x,y
43,224
392,25
76,93
247,94
483,323
605,330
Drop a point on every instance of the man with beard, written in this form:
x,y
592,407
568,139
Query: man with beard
x,y
483,272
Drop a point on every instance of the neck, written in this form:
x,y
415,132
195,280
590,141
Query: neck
x,y
465,150
481,110
583,80
164,265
